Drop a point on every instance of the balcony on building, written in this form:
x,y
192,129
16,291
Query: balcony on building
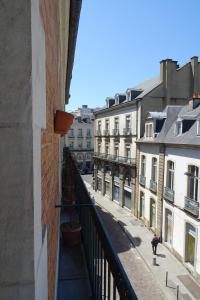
x,y
115,158
98,133
192,206
88,136
168,194
127,131
80,136
153,186
106,132
142,180
116,132
89,268
71,136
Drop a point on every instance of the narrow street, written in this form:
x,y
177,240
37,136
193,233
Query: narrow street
x,y
131,240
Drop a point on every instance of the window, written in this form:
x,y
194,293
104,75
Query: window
x,y
170,175
107,148
80,132
88,155
88,132
154,169
143,165
192,182
127,151
99,125
71,132
198,127
149,130
88,145
107,125
80,145
128,121
99,148
116,123
178,127
116,150
71,145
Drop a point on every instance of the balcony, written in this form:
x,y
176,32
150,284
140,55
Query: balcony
x,y
168,194
98,133
80,136
153,186
88,136
80,149
192,206
142,180
127,131
71,136
116,132
106,276
106,132
115,158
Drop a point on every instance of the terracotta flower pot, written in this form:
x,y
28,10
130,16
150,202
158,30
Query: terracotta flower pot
x,y
71,232
63,121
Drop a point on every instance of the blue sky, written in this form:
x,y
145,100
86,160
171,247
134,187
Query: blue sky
x,y
121,42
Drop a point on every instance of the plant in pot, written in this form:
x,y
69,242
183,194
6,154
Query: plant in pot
x,y
62,122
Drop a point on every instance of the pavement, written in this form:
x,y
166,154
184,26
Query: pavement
x,y
132,242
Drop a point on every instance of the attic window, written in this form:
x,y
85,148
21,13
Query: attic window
x,y
149,130
178,127
198,127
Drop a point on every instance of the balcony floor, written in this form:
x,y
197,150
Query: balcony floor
x,y
73,281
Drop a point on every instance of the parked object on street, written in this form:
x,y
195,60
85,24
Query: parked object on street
x,y
154,243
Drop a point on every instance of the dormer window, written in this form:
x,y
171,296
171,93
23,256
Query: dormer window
x,y
149,130
179,126
198,127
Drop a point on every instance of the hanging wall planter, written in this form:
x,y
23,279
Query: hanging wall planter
x,y
63,121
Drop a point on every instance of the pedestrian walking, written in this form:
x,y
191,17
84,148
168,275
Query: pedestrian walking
x,y
154,243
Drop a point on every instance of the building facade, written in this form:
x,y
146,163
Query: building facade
x,y
168,180
80,138
122,122
38,39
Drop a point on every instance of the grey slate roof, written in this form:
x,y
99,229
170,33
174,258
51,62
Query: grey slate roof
x,y
168,132
147,86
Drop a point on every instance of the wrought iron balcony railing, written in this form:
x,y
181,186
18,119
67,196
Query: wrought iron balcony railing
x,y
106,132
115,158
98,133
168,194
153,186
116,132
80,149
192,206
107,277
142,180
127,131
71,136
80,136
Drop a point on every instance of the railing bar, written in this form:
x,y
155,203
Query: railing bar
x,y
114,290
101,270
108,282
98,268
105,277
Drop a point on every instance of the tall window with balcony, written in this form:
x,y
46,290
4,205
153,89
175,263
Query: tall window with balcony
x,y
107,149
107,129
99,128
116,126
88,145
71,145
88,132
116,150
99,148
127,129
142,178
192,198
80,145
128,152
71,133
153,181
169,189
80,132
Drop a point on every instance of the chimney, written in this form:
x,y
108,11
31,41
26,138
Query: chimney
x,y
194,102
194,65
168,68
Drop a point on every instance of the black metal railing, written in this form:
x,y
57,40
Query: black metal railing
x,y
106,132
81,149
116,131
107,277
192,206
153,185
115,158
127,131
98,133
168,194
